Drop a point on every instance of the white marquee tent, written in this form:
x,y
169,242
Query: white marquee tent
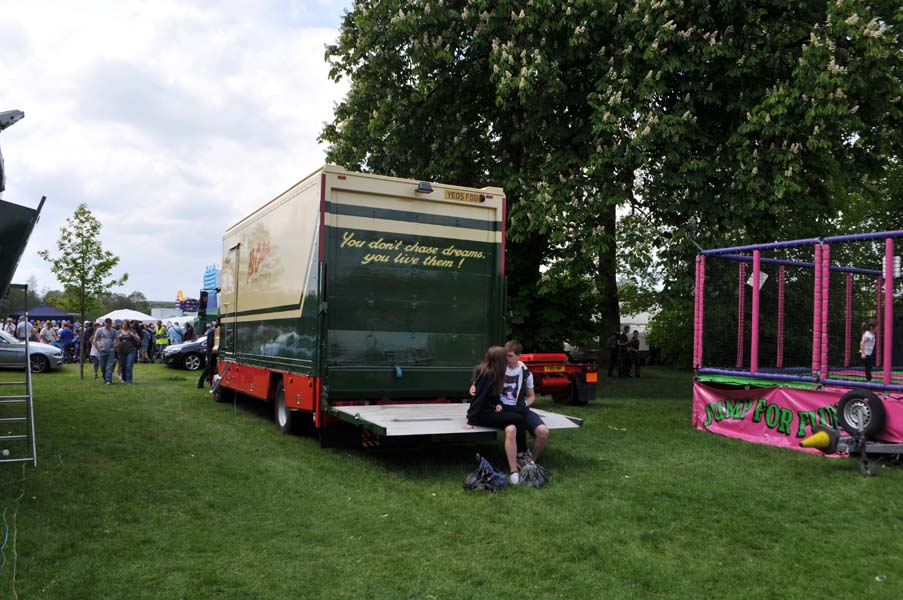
x,y
126,313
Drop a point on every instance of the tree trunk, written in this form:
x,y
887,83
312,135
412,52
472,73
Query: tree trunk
x,y
522,261
607,282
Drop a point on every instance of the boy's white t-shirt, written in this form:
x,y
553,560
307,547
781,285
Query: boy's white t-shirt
x,y
509,390
868,343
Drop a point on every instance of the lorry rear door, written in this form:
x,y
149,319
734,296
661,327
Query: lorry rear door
x,y
414,290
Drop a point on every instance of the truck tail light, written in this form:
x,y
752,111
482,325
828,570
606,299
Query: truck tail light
x,y
592,377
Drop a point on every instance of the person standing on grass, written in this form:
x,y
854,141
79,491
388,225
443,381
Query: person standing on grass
x,y
210,366
867,347
624,353
127,341
104,340
93,354
67,339
486,409
23,328
175,334
48,335
144,333
162,340
633,346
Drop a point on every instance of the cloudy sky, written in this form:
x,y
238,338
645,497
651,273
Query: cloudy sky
x,y
171,119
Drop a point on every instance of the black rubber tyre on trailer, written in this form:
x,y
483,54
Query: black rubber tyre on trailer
x,y
281,412
222,394
864,405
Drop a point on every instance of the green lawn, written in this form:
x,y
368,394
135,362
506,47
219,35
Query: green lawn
x,y
156,491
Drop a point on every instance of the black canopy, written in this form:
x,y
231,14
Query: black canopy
x,y
43,312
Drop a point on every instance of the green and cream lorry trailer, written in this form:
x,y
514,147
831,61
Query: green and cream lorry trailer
x,y
360,300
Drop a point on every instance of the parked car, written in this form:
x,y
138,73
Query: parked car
x,y
43,356
190,355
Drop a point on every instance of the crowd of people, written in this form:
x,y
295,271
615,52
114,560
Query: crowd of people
x,y
109,345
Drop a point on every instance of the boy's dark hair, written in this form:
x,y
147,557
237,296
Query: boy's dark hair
x,y
514,346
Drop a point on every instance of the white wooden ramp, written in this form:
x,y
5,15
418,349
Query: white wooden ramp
x,y
401,420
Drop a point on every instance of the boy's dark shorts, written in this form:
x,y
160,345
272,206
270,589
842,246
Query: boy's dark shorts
x,y
532,421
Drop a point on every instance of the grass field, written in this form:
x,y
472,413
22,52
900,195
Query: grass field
x,y
155,491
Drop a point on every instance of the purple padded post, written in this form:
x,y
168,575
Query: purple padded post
x,y
741,314
701,306
848,319
696,317
825,297
878,317
754,330
888,308
816,313
780,354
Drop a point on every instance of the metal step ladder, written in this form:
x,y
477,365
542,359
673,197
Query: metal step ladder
x,y
17,441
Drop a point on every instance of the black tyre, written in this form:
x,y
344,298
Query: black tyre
x,y
281,412
39,363
864,406
223,394
576,400
569,397
564,397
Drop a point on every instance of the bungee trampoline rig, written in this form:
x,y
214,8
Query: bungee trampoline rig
x,y
776,343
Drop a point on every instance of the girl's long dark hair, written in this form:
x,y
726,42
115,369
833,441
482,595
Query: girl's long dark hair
x,y
496,362
870,324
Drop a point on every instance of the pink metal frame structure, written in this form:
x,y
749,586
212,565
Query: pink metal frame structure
x,y
822,269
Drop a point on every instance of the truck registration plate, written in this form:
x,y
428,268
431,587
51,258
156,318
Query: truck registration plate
x,y
462,196
554,369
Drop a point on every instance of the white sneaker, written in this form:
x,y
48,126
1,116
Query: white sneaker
x,y
514,478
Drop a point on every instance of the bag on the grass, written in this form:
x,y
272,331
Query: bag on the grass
x,y
485,477
533,475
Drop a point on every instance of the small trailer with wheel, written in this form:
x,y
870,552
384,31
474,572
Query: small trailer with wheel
x,y
863,416
358,305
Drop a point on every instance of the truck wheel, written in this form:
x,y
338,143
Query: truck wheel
x,y
222,394
570,397
575,398
282,413
864,406
563,397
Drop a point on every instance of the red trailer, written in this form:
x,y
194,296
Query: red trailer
x,y
555,375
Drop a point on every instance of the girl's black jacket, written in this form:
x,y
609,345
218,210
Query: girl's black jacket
x,y
485,400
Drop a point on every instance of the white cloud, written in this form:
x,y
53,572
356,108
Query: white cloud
x,y
171,119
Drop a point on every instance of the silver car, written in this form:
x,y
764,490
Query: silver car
x,y
43,356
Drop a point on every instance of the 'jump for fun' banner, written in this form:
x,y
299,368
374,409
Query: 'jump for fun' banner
x,y
773,416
